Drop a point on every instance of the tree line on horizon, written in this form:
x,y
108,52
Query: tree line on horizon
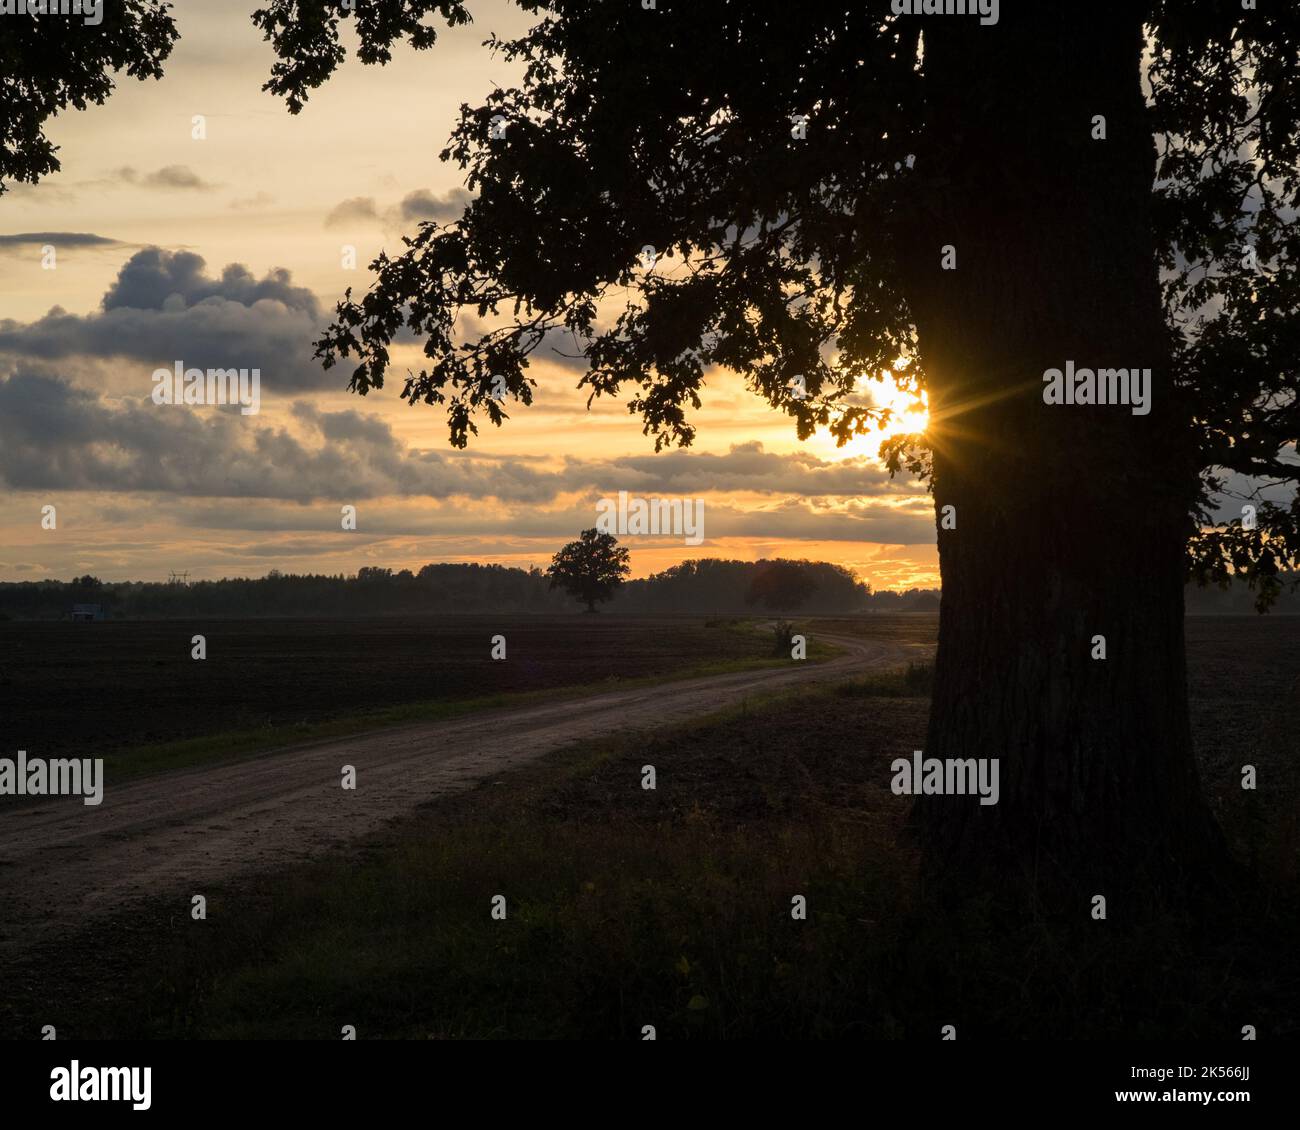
x,y
708,586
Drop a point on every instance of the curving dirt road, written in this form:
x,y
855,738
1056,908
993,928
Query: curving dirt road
x,y
63,862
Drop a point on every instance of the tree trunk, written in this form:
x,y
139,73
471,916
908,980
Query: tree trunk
x,y
1069,521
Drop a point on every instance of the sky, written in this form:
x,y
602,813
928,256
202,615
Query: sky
x,y
228,251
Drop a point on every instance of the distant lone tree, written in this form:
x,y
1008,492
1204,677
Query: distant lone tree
x,y
781,586
591,568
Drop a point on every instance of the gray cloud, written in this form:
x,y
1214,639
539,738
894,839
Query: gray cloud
x,y
357,209
794,519
168,177
423,205
150,277
163,307
413,208
748,467
57,238
54,436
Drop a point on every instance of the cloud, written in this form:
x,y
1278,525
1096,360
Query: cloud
x,y
357,209
151,277
163,307
415,207
748,467
169,178
798,519
57,238
180,177
794,520
55,436
423,205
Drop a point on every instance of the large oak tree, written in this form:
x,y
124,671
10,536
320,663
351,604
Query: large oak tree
x,y
1116,186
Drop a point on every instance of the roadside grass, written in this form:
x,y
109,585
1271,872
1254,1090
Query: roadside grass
x,y
238,744
916,679
673,908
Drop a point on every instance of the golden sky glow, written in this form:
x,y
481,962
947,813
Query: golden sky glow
x,y
271,191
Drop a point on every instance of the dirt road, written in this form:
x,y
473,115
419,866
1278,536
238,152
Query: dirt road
x,y
63,862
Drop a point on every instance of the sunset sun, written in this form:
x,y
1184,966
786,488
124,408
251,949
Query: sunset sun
x,y
908,412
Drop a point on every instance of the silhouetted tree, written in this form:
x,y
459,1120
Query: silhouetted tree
x,y
49,64
804,180
590,568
